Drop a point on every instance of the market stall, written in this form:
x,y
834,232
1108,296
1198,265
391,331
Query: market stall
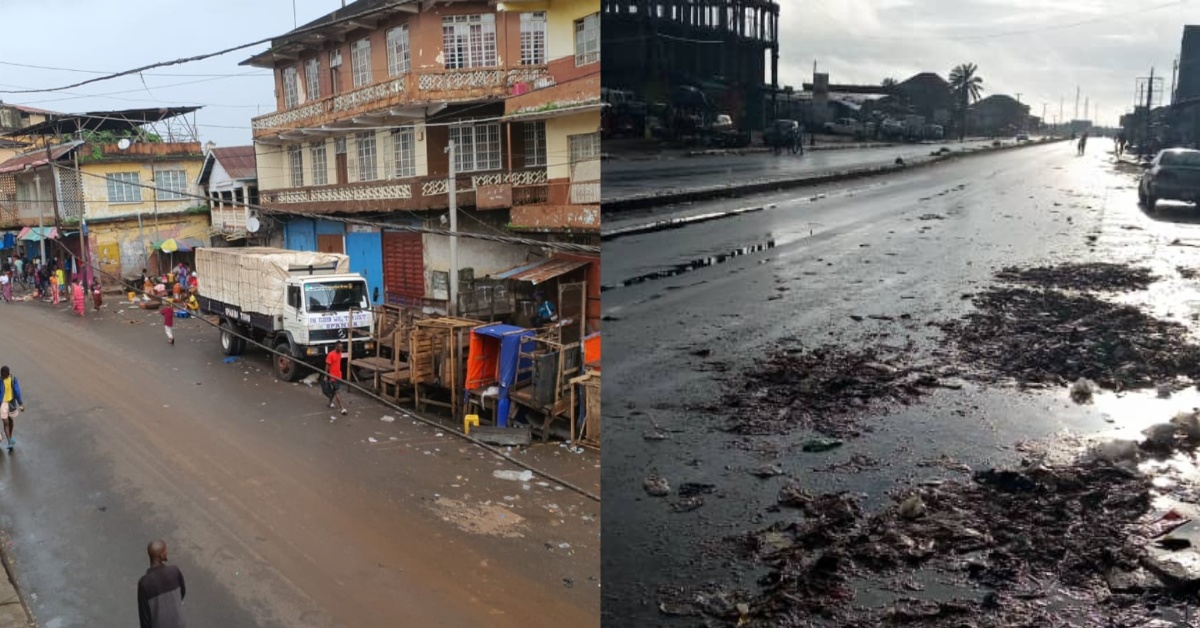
x,y
493,366
437,359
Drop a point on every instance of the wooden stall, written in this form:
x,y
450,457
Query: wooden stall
x,y
437,358
546,388
585,409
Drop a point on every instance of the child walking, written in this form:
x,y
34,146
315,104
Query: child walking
x,y
97,294
168,314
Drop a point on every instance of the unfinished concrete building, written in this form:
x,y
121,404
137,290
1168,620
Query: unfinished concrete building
x,y
650,47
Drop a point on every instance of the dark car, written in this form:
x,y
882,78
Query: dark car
x,y
1173,175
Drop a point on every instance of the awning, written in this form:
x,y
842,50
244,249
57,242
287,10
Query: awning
x,y
181,245
37,234
539,272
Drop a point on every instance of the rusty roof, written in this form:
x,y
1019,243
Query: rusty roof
x,y
37,158
541,271
238,161
66,124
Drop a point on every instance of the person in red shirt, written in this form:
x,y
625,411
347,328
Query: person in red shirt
x,y
168,314
333,385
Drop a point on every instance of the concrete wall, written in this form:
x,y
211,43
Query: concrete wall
x,y
95,188
558,147
483,256
561,16
273,166
120,249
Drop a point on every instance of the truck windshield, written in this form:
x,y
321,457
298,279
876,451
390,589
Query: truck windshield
x,y
337,296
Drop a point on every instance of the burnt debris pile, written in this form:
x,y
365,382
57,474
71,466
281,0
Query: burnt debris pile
x,y
1048,336
1097,276
823,389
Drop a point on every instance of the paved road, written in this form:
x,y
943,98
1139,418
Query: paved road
x,y
277,515
624,178
742,286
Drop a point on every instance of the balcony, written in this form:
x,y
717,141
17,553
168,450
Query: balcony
x,y
418,88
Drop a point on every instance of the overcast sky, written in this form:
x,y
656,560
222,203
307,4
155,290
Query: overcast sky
x,y
1041,49
115,35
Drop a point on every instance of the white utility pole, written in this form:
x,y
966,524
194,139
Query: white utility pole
x,y
452,310
37,182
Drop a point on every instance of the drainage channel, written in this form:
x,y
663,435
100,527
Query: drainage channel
x,y
696,264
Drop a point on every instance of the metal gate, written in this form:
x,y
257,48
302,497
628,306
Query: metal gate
x,y
403,268
366,259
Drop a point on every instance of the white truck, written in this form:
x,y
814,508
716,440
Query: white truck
x,y
298,302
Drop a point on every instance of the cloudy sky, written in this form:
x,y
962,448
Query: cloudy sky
x,y
89,37
1041,49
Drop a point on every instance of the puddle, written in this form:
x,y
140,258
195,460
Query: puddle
x,y
696,264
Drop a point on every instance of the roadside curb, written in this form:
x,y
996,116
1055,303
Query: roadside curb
x,y
703,194
14,612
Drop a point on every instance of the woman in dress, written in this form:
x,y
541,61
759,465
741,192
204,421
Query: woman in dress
x,y
77,296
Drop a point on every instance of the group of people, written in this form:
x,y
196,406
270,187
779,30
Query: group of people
x,y
50,282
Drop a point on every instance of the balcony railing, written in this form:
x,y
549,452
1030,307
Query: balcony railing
x,y
414,87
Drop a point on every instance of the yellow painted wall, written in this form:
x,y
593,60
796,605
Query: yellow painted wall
x,y
95,188
120,248
560,24
558,147
272,166
274,171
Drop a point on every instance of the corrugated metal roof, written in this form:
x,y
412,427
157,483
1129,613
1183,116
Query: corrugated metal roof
x,y
36,158
239,161
542,271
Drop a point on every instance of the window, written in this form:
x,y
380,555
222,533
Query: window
x,y
312,79
587,40
320,167
469,41
584,147
367,170
171,185
291,94
535,143
360,62
404,152
397,45
296,166
476,147
533,38
123,187
335,68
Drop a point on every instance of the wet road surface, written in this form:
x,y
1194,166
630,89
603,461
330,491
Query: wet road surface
x,y
796,272
633,177
276,514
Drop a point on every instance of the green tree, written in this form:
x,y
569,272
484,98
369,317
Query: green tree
x,y
966,86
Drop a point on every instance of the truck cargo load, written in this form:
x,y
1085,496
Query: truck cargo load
x,y
256,277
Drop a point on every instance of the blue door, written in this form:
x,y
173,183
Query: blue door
x,y
300,235
366,258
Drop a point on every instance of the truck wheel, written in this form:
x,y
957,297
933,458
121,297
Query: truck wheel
x,y
286,368
231,344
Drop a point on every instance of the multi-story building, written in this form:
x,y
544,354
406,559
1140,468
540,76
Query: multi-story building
x,y
369,98
13,118
94,169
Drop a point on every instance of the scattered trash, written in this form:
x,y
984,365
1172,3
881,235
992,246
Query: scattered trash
x,y
687,504
689,489
767,471
519,476
912,508
656,486
564,546
1114,451
1189,424
656,436
231,359
387,418
1101,276
1160,436
820,444
310,379
371,439
1082,390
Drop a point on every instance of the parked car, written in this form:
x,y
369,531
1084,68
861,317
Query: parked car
x,y
1173,174
843,126
1022,137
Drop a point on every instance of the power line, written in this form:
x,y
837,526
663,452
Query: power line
x,y
209,55
564,246
81,71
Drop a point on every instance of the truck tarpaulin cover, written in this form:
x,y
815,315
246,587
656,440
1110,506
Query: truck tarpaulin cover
x,y
255,277
494,358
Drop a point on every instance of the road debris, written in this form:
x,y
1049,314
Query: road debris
x,y
656,486
1047,336
518,476
1085,276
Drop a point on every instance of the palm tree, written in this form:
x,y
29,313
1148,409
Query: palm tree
x,y
965,86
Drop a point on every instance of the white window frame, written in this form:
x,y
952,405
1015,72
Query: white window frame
x,y
584,147
476,147
533,38
171,185
360,62
404,152
320,163
291,87
296,166
123,187
587,40
399,60
469,41
312,78
535,144
365,149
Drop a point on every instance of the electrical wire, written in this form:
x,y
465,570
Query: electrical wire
x,y
365,391
209,55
